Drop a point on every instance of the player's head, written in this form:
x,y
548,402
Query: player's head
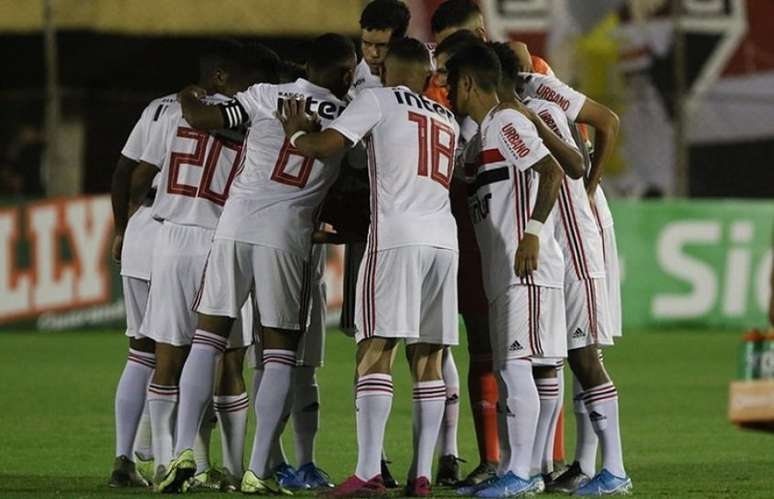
x,y
447,48
381,22
289,71
511,82
454,15
474,76
407,63
331,62
228,67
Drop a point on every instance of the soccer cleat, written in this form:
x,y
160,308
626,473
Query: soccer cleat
x,y
448,471
469,490
144,466
124,474
389,481
419,487
287,477
538,485
482,473
313,477
605,483
355,487
181,469
211,479
508,485
251,484
569,481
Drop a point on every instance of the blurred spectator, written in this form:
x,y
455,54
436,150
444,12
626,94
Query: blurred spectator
x,y
21,171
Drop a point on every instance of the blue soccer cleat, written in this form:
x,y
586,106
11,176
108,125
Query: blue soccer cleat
x,y
313,477
605,483
287,477
538,485
508,485
469,490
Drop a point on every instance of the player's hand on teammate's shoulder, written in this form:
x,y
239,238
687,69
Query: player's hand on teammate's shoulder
x,y
194,92
526,260
294,118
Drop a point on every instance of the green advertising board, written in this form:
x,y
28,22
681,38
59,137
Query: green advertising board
x,y
694,263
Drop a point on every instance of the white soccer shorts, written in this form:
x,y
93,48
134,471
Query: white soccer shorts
x,y
180,255
139,238
588,316
311,347
135,300
280,281
408,292
613,282
527,322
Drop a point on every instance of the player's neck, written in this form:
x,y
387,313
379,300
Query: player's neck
x,y
481,105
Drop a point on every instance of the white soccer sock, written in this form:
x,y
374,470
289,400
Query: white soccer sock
x,y
162,405
447,438
143,442
548,393
130,399
373,403
201,446
429,401
232,414
306,413
602,404
277,453
548,453
196,382
585,438
522,408
270,403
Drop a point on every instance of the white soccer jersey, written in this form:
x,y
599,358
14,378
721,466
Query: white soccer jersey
x,y
501,202
276,196
552,89
197,169
363,79
146,126
576,228
411,142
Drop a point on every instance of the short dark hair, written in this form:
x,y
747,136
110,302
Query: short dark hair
x,y
409,49
509,63
289,71
452,43
386,14
330,50
240,59
453,13
478,61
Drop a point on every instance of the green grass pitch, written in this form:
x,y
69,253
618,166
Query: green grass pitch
x,y
57,416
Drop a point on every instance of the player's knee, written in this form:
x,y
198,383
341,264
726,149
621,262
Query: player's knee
x,y
146,345
543,372
587,366
169,364
215,324
426,362
280,339
375,356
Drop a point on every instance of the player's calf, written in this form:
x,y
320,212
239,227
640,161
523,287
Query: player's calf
x,y
231,406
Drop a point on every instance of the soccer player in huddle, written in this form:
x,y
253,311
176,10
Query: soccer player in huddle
x,y
196,171
262,243
516,185
406,284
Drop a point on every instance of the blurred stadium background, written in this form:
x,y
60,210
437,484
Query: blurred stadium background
x,y
692,180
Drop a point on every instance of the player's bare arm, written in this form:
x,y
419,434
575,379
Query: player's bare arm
x,y
196,112
606,124
302,130
142,180
526,260
119,196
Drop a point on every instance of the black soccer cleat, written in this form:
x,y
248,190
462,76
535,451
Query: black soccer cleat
x,y
124,474
480,474
448,471
569,481
389,480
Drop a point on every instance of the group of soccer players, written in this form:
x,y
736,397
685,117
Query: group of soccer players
x,y
461,181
